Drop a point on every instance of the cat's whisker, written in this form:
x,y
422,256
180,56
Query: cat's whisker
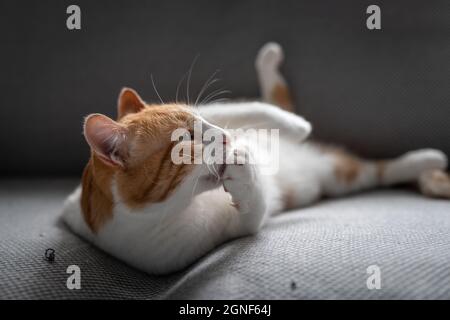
x,y
216,173
195,186
211,168
156,90
188,82
211,80
178,86
219,100
214,94
198,101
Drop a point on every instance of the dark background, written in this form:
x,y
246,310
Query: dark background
x,y
378,92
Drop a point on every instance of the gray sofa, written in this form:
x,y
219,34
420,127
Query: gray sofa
x,y
380,93
321,252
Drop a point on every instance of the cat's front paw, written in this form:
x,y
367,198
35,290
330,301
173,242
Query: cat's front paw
x,y
241,180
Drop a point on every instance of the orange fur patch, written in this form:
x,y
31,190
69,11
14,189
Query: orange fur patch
x,y
347,167
282,97
152,175
153,180
149,174
96,196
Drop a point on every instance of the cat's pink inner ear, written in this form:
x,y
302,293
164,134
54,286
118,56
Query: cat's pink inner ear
x,y
107,139
129,102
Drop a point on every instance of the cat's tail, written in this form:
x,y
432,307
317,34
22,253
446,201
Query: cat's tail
x,y
274,88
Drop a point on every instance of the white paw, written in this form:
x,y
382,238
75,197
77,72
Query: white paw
x,y
240,179
435,183
426,159
270,55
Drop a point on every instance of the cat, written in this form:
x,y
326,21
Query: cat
x,y
138,205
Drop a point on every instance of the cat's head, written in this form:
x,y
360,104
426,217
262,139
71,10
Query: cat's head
x,y
137,149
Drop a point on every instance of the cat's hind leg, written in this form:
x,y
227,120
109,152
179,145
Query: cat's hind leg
x,y
352,174
274,88
332,172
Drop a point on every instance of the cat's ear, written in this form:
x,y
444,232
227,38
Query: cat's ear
x,y
129,102
107,138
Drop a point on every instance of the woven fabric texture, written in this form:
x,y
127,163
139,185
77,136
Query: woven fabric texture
x,y
321,252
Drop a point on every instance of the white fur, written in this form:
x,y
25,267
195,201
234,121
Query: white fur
x,y
268,60
168,236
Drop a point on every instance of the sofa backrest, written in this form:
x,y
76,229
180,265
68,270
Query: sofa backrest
x,y
379,92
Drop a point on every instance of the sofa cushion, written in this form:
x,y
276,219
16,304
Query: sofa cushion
x,y
320,252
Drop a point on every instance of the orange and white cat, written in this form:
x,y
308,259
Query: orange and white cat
x,y
140,206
